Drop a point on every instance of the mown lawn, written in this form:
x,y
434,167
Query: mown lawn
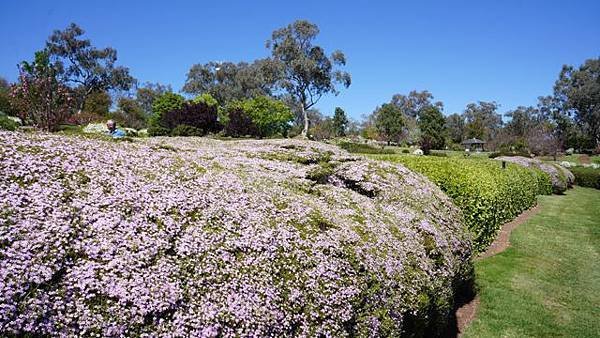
x,y
547,284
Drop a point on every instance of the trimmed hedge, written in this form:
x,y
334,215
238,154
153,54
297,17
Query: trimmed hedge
x,y
586,177
488,195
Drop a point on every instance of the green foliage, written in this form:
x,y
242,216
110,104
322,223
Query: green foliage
x,y
84,66
227,82
130,113
363,148
389,122
6,123
487,194
156,130
340,122
98,103
186,130
432,125
270,117
5,99
167,102
580,90
207,99
586,177
306,71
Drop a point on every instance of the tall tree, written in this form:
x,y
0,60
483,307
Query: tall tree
x,y
389,122
455,126
227,81
340,122
522,121
84,67
5,100
415,102
431,122
146,94
579,89
306,72
483,121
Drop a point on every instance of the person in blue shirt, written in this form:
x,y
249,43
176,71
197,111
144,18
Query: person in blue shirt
x,y
113,131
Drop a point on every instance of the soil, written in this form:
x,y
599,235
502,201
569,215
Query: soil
x,y
467,312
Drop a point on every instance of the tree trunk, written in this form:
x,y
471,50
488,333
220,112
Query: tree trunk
x,y
306,122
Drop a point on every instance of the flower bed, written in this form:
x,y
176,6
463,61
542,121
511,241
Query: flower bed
x,y
561,177
197,237
487,194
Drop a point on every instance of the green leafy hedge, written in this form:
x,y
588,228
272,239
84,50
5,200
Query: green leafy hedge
x,y
586,177
487,194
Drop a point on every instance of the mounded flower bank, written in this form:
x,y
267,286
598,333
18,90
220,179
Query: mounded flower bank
x,y
561,178
196,237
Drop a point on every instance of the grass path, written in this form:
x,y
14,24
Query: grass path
x,y
547,283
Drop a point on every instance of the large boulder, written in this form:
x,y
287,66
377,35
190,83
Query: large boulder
x,y
198,237
561,177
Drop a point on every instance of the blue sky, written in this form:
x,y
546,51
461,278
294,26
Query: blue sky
x,y
461,51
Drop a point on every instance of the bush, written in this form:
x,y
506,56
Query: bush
x,y
7,123
405,151
363,148
271,117
239,123
158,131
488,195
199,115
186,130
587,177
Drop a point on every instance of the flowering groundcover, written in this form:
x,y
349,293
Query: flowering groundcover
x,y
195,237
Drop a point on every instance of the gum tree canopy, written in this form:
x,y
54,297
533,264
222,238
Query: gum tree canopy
x,y
579,91
307,73
85,67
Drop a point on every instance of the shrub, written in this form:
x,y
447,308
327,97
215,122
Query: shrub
x,y
239,123
166,102
271,117
587,177
363,148
487,194
7,123
158,131
207,99
405,151
199,115
186,130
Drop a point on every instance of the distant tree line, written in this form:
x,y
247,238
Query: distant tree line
x,y
569,118
72,81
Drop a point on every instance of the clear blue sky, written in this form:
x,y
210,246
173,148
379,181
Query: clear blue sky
x,y
461,51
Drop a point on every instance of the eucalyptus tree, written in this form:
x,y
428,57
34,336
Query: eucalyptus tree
x,y
305,71
579,90
84,67
228,81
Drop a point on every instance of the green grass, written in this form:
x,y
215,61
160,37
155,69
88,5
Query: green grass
x,y
547,284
